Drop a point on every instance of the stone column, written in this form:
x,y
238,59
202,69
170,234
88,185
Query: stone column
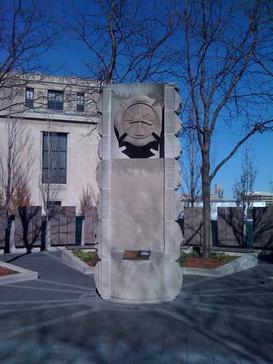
x,y
138,175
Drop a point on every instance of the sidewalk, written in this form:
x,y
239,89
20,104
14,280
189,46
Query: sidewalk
x,y
60,319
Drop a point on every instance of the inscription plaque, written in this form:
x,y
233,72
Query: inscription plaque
x,y
136,254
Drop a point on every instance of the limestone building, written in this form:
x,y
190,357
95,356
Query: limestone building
x,y
58,114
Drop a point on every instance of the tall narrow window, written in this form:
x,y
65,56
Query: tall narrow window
x,y
80,101
55,100
29,97
54,157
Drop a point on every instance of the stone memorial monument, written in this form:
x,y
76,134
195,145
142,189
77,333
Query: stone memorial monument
x,y
138,174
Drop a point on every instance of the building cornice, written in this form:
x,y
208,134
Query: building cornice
x,y
62,118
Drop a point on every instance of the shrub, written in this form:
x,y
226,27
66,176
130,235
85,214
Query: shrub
x,y
89,257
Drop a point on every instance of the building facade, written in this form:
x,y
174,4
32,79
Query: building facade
x,y
261,198
56,117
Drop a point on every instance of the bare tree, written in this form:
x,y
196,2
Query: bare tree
x,y
243,187
15,166
87,199
21,196
21,203
27,30
125,43
191,164
226,70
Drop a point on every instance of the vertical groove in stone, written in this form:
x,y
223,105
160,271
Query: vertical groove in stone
x,y
172,151
105,190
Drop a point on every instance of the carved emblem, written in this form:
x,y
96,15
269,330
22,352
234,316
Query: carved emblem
x,y
138,122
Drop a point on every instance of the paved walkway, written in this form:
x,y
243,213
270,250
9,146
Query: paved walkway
x,y
60,319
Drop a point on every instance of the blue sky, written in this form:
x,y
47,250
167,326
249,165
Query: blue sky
x,y
260,147
69,57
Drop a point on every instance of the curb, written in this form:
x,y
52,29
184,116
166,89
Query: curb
x,y
68,258
22,275
245,261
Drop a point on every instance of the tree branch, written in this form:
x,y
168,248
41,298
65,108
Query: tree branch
x,y
258,127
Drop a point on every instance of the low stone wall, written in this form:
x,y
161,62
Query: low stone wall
x,y
21,275
246,261
68,258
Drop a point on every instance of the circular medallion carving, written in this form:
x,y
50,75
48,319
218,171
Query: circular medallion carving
x,y
139,121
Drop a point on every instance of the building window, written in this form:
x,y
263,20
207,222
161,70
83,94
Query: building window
x,y
55,100
54,157
80,101
54,203
29,97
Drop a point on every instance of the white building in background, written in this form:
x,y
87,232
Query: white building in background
x,y
60,115
258,199
261,198
215,203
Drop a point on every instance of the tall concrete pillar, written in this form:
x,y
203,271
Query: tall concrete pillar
x,y
138,175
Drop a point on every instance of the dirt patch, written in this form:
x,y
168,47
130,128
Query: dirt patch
x,y
6,271
209,263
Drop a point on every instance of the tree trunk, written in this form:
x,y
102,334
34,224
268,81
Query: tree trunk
x,y
7,236
25,240
206,204
47,234
25,237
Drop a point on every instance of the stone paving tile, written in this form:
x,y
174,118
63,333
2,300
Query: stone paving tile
x,y
175,347
223,354
48,268
199,347
60,319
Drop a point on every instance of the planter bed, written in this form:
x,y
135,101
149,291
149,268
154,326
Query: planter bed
x,y
82,260
209,263
217,265
89,257
10,273
6,271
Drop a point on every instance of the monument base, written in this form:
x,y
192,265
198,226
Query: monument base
x,y
158,279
